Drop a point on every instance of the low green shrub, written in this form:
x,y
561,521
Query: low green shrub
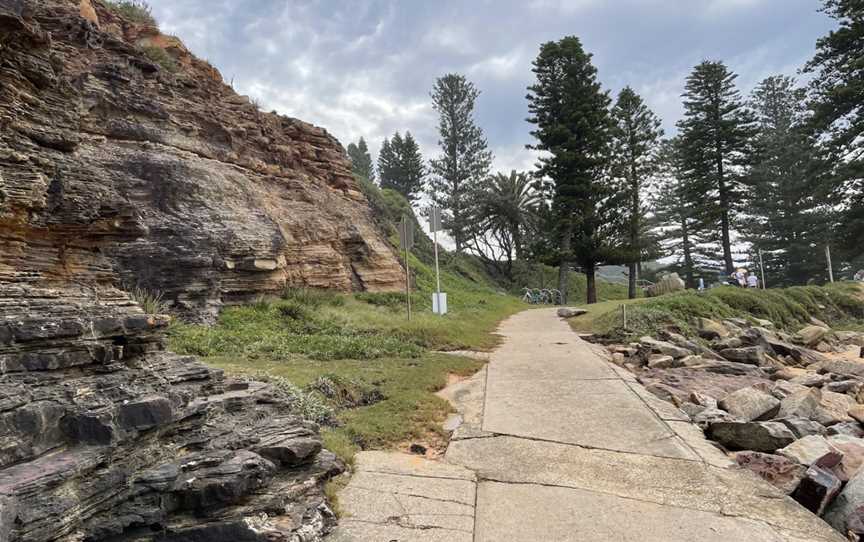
x,y
305,404
137,11
788,308
159,56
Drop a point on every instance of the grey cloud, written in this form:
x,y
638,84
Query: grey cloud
x,y
366,68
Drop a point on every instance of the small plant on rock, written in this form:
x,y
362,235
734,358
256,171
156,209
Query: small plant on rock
x,y
160,57
150,302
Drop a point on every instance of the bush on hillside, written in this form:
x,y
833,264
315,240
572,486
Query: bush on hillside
x,y
137,11
788,308
159,56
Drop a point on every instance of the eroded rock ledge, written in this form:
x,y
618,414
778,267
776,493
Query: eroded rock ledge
x,y
177,184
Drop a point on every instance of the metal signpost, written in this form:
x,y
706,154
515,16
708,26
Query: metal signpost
x,y
406,239
439,299
762,269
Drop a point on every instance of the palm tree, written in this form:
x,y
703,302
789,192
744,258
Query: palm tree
x,y
508,207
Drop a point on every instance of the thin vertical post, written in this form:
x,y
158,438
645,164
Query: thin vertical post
x,y
437,271
407,283
624,314
762,269
830,267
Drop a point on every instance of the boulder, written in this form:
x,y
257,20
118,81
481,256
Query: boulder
x,y
833,408
811,380
566,312
803,427
857,413
852,429
768,324
783,389
752,355
800,404
664,348
816,490
730,368
846,368
711,329
811,335
712,415
758,436
692,410
779,471
788,373
660,361
704,400
853,455
812,450
853,338
750,404
849,387
666,285
727,342
846,512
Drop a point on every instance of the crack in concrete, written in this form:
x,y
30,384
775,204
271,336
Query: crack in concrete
x,y
453,501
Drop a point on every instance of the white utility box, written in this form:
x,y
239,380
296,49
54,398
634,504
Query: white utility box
x,y
439,303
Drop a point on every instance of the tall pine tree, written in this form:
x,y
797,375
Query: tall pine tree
x,y
784,219
401,167
465,160
838,117
675,218
573,129
715,132
635,139
361,160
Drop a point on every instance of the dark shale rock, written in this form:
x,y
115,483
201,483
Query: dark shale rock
x,y
816,490
758,436
846,512
752,355
115,172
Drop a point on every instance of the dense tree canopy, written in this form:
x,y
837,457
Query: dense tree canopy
x,y
715,135
400,166
573,128
636,136
838,118
361,160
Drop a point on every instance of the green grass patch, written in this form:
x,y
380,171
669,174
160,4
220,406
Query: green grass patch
x,y
840,305
399,404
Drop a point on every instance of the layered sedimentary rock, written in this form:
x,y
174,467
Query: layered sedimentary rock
x,y
115,172
179,185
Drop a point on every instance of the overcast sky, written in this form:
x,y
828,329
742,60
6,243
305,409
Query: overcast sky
x,y
365,68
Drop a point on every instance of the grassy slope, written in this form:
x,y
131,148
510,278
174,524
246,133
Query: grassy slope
x,y
365,342
841,305
354,362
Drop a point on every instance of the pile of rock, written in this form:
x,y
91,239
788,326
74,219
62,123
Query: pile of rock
x,y
790,407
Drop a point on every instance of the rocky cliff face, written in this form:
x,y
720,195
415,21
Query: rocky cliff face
x,y
117,171
114,165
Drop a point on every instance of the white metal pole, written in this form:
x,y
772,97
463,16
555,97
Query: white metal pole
x,y
437,272
830,268
762,269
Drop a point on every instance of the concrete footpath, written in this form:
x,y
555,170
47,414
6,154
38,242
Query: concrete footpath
x,y
553,443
